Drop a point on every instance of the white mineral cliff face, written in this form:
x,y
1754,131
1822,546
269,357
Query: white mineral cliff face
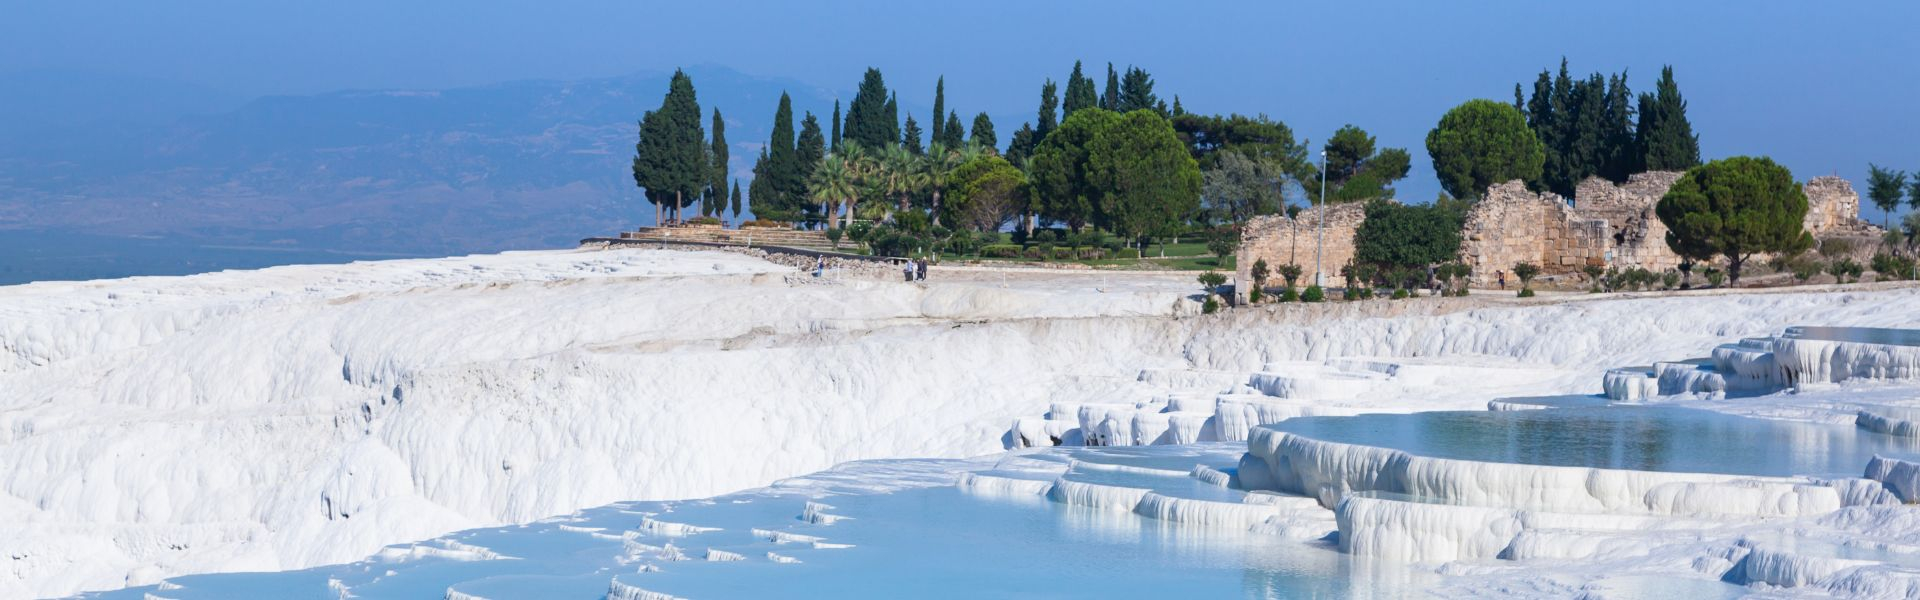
x,y
287,417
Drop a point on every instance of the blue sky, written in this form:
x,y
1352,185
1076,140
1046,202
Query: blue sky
x,y
1822,87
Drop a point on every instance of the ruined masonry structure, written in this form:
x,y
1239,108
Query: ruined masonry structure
x,y
1606,224
1280,241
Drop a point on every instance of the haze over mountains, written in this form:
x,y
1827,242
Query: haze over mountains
x,y
525,164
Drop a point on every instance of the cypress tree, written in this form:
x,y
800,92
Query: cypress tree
x,y
892,120
1049,100
939,108
717,186
1136,91
1110,99
866,117
783,176
983,132
1666,137
1519,101
1177,109
910,137
835,140
1080,93
954,131
736,199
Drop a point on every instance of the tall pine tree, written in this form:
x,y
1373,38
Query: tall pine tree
x,y
809,148
939,108
1080,93
983,133
1667,142
955,132
1110,99
910,137
760,190
1049,101
783,177
670,160
1136,92
867,123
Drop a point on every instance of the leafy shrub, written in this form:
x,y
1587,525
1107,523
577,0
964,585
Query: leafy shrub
x,y
1289,295
703,221
1045,236
1845,270
1210,306
1127,253
1212,280
1253,296
1044,249
1836,247
1526,292
1804,268
1715,277
1066,253
766,223
1669,280
1400,294
1314,294
1892,267
1259,273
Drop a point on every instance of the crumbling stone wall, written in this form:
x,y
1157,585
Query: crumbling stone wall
x,y
1639,238
1833,208
1280,240
1511,225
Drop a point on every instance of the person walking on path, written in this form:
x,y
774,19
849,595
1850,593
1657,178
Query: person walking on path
x,y
907,269
921,274
1503,278
819,266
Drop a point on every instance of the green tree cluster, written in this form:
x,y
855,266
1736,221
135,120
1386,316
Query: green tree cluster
x,y
1587,127
1130,174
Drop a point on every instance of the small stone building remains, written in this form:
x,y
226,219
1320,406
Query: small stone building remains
x,y
1608,225
1280,240
1511,225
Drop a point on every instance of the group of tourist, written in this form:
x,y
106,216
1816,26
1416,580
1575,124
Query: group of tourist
x,y
914,270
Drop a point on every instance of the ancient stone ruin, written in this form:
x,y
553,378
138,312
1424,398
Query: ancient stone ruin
x,y
1606,224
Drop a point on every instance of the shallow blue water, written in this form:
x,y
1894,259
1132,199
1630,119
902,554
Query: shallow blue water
x,y
1644,438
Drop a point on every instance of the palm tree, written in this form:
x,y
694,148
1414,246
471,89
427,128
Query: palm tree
x,y
899,174
831,185
937,165
860,169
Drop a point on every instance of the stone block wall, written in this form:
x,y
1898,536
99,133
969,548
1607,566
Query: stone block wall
x,y
1511,225
1273,238
1639,238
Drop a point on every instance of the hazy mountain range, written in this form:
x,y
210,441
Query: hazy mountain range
x,y
526,164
